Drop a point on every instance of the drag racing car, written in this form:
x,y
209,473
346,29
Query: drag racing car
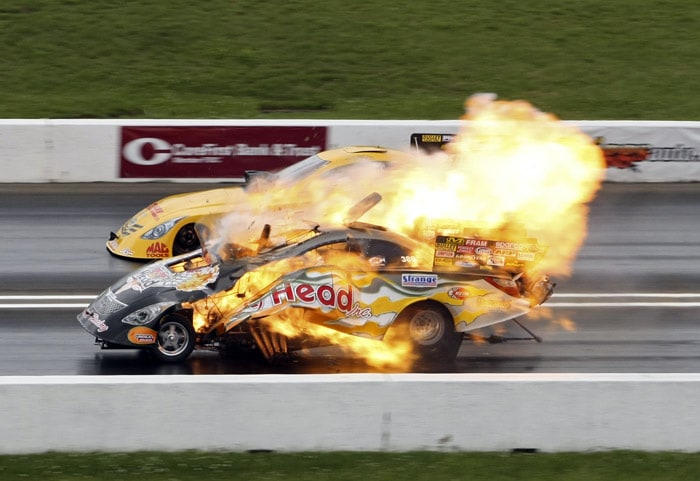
x,y
327,286
167,227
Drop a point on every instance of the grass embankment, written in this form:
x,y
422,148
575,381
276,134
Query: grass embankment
x,y
604,466
583,60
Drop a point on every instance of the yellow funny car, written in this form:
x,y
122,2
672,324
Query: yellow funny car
x,y
167,227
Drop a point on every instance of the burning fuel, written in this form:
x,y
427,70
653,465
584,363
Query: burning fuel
x,y
511,173
511,169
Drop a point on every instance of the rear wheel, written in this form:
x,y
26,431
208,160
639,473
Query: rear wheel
x,y
186,240
176,339
429,327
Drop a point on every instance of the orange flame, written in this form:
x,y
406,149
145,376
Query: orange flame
x,y
510,169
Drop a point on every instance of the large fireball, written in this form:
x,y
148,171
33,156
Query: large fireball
x,y
512,172
511,169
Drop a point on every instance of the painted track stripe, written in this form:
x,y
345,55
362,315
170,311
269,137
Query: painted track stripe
x,y
42,301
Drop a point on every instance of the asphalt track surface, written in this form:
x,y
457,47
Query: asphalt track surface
x,y
631,304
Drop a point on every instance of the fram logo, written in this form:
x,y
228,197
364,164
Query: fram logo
x,y
157,249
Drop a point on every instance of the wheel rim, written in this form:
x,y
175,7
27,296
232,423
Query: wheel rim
x,y
186,240
426,327
173,339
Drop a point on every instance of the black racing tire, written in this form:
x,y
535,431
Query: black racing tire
x,y
176,339
429,327
186,240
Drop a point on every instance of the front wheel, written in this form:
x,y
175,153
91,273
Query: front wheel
x,y
176,339
430,330
186,240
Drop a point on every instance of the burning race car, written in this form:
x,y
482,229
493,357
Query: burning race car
x,y
358,286
167,227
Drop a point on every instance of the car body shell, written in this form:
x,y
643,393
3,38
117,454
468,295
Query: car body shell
x,y
167,227
359,280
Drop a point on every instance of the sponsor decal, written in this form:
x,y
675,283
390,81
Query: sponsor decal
x,y
441,253
498,261
526,256
476,242
623,156
493,304
466,263
214,151
484,253
142,335
97,322
160,276
341,299
158,250
628,155
465,249
130,227
516,246
155,210
459,293
419,280
430,142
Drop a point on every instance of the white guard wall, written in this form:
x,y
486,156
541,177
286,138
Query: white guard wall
x,y
61,150
361,412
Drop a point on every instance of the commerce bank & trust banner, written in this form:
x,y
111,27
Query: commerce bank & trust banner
x,y
214,151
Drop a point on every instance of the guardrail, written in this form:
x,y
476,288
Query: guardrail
x,y
358,412
62,150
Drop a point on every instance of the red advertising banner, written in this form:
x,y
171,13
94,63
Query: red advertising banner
x,y
214,152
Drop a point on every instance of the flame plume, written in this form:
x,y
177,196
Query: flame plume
x,y
511,170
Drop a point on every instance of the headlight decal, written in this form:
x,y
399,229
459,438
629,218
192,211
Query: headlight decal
x,y
161,229
146,314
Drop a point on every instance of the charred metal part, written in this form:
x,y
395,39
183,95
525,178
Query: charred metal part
x,y
271,344
540,290
522,326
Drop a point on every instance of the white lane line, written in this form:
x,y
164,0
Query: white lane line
x,y
40,300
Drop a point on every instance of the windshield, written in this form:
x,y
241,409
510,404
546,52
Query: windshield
x,y
299,170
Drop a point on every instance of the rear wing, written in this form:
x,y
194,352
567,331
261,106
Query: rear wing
x,y
478,255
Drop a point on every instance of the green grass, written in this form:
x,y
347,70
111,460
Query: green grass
x,y
334,59
431,466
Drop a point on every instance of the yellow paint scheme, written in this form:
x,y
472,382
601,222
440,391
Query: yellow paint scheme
x,y
199,207
366,304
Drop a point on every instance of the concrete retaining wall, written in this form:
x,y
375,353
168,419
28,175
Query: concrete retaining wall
x,y
449,412
89,150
